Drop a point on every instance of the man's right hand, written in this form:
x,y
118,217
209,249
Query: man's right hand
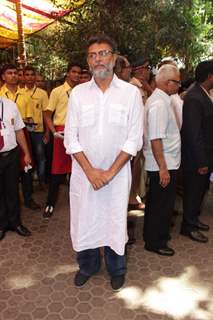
x,y
97,178
58,135
164,177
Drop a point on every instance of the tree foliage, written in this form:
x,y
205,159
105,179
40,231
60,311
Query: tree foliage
x,y
142,28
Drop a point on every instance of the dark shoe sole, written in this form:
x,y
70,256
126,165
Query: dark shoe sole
x,y
161,253
117,282
188,235
80,279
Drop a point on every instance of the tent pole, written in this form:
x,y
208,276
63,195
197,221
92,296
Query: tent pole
x,y
22,60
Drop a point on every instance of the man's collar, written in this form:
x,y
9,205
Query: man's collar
x,y
66,85
115,82
27,89
5,89
162,93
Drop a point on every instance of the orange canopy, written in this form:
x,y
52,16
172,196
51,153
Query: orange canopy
x,y
37,14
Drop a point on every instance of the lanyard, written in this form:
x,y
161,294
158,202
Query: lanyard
x,y
2,111
33,92
16,98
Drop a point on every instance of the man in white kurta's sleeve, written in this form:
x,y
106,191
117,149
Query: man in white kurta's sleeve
x,y
103,131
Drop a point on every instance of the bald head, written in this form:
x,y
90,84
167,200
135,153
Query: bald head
x,y
168,79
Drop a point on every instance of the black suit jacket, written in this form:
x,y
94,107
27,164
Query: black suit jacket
x,y
197,130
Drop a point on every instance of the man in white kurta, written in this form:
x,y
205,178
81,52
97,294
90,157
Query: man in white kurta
x,y
103,130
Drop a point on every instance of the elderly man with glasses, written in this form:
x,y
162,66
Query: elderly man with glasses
x,y
162,160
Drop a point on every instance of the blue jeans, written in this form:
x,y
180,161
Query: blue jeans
x,y
38,149
90,262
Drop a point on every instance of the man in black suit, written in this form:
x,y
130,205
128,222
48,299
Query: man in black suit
x,y
197,150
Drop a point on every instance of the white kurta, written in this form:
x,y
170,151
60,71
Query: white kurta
x,y
102,125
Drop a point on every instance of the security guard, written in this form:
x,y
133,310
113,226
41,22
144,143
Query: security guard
x,y
11,91
11,133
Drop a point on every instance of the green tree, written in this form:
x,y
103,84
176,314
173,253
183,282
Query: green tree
x,y
142,28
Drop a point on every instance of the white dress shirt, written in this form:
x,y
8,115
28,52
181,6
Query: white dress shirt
x,y
12,122
160,123
102,125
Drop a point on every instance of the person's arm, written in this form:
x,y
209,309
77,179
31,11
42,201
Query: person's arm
x,y
157,150
192,132
49,109
48,120
97,177
117,165
45,101
21,140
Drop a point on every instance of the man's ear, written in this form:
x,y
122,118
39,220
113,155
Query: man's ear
x,y
115,56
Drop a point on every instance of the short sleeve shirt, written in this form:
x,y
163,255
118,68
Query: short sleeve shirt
x,y
58,103
21,99
160,123
39,100
12,122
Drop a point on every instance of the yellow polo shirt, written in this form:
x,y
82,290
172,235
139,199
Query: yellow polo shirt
x,y
58,102
39,100
21,99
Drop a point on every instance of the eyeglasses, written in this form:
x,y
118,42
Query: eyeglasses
x,y
101,53
176,81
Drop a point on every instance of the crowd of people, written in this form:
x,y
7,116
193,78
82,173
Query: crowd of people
x,y
122,136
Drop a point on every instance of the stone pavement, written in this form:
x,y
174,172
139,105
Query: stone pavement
x,y
36,276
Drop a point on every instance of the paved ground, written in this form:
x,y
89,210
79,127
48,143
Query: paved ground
x,y
36,276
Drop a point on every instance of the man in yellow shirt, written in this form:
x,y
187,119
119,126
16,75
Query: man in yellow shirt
x,y
38,135
11,91
61,162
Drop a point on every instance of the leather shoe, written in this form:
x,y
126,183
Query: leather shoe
x,y
32,205
22,231
164,251
195,235
80,279
117,282
2,234
202,226
48,212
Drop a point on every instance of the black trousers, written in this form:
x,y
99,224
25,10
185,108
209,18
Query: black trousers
x,y
9,192
27,186
54,184
158,211
194,186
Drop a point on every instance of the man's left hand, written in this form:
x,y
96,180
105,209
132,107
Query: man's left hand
x,y
27,159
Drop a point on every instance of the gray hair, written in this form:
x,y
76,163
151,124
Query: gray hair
x,y
166,72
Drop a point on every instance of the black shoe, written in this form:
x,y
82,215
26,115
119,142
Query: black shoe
x,y
48,212
117,282
2,234
202,226
80,279
195,235
22,231
164,251
32,205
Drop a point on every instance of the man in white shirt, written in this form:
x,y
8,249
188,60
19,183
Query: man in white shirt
x,y
11,133
103,130
162,160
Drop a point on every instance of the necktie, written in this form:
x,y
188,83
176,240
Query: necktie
x,y
1,137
